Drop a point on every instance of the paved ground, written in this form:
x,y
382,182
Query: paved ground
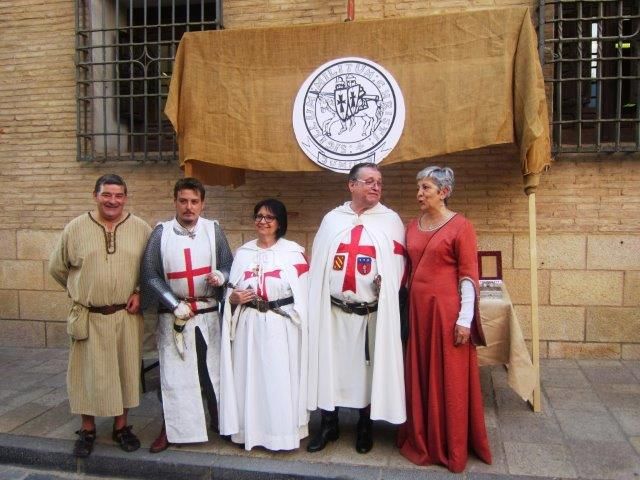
x,y
589,428
12,472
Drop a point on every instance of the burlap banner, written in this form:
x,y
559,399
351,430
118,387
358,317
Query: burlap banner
x,y
469,80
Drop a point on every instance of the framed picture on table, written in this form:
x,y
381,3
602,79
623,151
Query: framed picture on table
x,y
490,265
490,272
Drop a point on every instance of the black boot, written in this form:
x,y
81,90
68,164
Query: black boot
x,y
212,407
329,431
364,436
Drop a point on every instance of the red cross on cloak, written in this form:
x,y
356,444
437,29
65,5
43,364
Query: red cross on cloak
x,y
302,268
262,285
399,249
353,249
190,273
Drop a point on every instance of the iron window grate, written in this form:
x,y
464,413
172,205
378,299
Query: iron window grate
x,y
124,60
590,52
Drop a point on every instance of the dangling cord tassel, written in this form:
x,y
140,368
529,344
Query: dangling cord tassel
x,y
351,10
367,357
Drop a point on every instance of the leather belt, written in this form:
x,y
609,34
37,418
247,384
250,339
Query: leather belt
x,y
197,299
357,308
108,309
262,305
195,312
362,309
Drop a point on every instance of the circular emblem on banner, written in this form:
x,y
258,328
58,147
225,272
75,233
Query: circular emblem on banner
x,y
349,110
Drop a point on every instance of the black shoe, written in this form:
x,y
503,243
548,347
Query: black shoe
x,y
227,438
212,407
329,432
84,445
126,439
364,437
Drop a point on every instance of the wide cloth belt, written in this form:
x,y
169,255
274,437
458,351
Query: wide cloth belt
x,y
357,308
262,305
108,309
195,312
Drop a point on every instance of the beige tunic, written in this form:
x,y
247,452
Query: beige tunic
x,y
103,376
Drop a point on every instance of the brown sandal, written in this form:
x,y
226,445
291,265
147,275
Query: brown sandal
x,y
126,439
84,445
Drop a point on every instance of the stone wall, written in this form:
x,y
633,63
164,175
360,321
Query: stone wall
x,y
588,210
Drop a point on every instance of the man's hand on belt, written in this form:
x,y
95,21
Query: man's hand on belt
x,y
133,303
183,311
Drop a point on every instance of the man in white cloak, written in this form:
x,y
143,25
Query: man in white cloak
x,y
355,350
186,261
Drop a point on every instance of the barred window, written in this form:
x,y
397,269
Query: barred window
x,y
590,50
124,59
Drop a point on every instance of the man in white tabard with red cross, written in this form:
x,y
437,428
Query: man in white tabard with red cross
x,y
355,350
186,263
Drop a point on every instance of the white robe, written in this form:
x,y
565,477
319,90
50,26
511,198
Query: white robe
x,y
184,411
264,355
330,350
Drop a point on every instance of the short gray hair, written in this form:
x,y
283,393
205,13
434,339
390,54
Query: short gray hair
x,y
441,176
355,170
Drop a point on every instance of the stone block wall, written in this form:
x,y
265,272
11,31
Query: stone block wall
x,y
588,210
586,295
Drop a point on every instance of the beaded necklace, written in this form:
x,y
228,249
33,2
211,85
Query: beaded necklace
x,y
435,226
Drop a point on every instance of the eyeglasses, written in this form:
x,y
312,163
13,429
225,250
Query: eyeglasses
x,y
370,183
267,218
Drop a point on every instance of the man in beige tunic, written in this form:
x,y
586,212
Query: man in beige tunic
x,y
97,261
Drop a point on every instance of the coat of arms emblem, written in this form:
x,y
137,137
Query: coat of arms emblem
x,y
364,265
348,111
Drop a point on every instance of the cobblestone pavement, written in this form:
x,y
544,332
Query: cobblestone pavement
x,y
589,428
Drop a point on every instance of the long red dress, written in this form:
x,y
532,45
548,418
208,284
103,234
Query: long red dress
x,y
445,414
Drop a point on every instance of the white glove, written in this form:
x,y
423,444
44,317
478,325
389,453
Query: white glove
x,y
219,275
467,303
182,311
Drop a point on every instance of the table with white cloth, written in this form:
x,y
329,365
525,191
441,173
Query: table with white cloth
x,y
505,344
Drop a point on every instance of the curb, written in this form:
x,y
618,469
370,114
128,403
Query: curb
x,y
109,460
55,454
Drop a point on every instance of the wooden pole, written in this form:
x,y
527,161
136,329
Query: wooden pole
x,y
535,331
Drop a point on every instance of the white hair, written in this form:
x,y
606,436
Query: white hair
x,y
442,177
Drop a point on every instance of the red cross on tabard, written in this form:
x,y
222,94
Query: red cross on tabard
x,y
262,285
353,249
190,273
399,249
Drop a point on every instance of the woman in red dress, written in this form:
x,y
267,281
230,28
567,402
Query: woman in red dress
x,y
445,414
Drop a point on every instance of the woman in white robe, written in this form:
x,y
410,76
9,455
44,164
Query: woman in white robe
x,y
264,338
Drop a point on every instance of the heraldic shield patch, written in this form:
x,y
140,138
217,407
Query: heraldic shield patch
x,y
364,265
349,110
338,262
